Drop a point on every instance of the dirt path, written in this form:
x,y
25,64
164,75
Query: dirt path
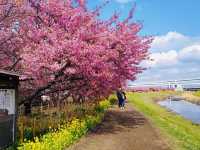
x,y
122,130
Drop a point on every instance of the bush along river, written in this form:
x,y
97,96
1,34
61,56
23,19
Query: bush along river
x,y
186,109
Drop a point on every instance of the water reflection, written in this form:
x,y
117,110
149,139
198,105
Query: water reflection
x,y
186,109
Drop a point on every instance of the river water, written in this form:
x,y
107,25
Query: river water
x,y
186,109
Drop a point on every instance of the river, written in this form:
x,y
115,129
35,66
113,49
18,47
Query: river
x,y
186,109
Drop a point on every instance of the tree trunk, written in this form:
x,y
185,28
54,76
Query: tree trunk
x,y
27,107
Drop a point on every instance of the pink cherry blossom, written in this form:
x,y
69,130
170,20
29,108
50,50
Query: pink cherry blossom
x,y
63,47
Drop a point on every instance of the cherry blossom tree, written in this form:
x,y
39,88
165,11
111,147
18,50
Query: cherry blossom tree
x,y
10,43
68,49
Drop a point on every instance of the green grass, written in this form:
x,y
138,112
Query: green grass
x,y
197,93
181,133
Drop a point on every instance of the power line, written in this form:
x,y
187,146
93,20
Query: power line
x,y
181,81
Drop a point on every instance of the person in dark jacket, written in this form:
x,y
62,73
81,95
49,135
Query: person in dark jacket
x,y
121,98
124,99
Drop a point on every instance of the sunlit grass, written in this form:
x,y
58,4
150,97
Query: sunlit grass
x,y
193,97
197,93
181,133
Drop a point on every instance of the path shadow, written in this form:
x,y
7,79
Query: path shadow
x,y
116,120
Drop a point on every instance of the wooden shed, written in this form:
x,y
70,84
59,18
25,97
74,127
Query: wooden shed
x,y
8,98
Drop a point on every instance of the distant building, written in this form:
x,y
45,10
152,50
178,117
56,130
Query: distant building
x,y
178,87
175,86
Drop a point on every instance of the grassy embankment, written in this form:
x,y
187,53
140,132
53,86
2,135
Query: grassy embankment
x,y
197,93
181,133
193,97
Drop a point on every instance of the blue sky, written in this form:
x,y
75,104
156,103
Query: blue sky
x,y
176,27
158,16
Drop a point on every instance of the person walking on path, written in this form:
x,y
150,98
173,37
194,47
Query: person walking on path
x,y
124,99
121,98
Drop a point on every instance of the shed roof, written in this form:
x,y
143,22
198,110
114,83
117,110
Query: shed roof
x,y
10,73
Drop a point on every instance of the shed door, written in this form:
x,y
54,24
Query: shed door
x,y
7,116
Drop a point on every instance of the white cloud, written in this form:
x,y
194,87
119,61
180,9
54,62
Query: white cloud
x,y
172,40
173,56
170,36
190,53
185,49
163,59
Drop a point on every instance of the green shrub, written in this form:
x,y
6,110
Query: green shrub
x,y
103,105
112,99
28,134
